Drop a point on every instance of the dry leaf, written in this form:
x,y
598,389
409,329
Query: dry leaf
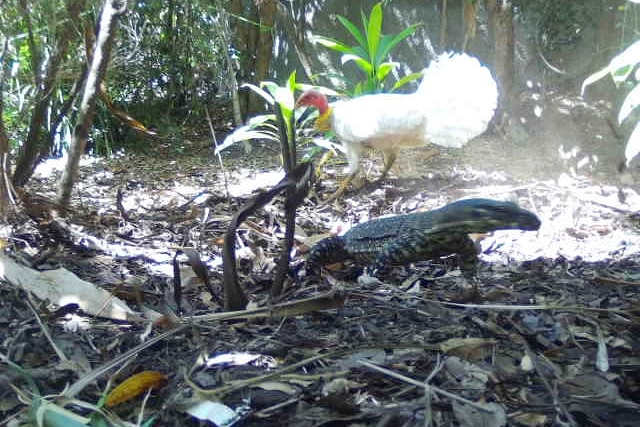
x,y
134,386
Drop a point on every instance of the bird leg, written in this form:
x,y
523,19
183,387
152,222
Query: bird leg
x,y
323,160
341,189
390,156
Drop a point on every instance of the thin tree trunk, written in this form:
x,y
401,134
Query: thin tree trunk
x,y
469,22
30,150
443,25
36,54
4,139
501,24
296,32
111,10
264,45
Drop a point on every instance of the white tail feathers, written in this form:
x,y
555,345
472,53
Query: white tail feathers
x,y
459,96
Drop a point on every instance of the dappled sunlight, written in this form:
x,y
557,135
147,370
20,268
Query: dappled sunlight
x,y
246,181
50,166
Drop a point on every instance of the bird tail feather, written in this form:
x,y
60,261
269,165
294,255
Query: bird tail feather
x,y
459,96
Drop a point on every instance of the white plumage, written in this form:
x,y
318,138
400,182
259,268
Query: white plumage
x,y
453,104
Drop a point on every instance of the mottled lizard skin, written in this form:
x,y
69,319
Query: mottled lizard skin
x,y
397,240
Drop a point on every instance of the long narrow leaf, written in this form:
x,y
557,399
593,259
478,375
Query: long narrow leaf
x,y
630,103
406,79
361,62
384,69
633,144
244,134
322,89
291,81
332,44
355,32
267,97
389,42
620,67
374,29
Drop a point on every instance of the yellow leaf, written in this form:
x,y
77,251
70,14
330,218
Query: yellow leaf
x,y
134,386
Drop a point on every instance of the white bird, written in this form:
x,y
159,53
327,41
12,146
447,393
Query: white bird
x,y
454,103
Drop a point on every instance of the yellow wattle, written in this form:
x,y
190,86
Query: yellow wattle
x,y
323,122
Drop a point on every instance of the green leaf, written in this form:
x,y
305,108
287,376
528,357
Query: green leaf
x,y
384,69
406,79
620,67
267,97
355,32
633,144
322,89
291,81
389,42
332,44
361,62
630,103
243,134
284,98
271,88
373,30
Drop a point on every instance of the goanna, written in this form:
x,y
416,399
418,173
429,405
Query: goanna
x,y
397,240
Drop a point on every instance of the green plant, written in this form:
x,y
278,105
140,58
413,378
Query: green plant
x,y
370,52
287,130
620,69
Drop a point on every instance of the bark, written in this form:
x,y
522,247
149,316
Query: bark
x,y
469,22
295,31
111,11
4,139
254,42
264,45
501,22
443,25
36,54
33,145
241,42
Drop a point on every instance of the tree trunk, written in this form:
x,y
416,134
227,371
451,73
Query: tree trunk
x,y
111,10
4,139
30,150
255,46
501,25
263,49
443,25
295,30
468,22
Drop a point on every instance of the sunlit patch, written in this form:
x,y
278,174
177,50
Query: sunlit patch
x,y
75,323
537,111
50,166
247,181
567,154
241,359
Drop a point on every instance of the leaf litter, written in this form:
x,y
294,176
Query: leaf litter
x,y
551,338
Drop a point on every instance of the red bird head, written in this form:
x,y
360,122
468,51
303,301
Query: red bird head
x,y
313,98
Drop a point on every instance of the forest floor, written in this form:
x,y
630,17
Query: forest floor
x,y
551,339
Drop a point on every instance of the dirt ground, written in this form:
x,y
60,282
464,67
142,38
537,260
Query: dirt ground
x,y
550,339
